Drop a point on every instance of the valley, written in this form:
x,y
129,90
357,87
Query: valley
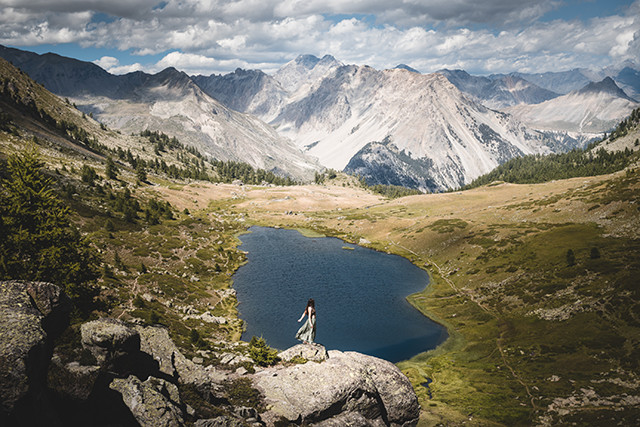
x,y
535,283
533,339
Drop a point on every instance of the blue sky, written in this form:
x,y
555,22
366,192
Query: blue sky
x,y
217,36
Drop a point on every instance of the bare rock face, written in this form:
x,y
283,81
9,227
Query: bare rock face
x,y
72,380
108,339
154,402
156,342
347,389
31,315
221,421
310,352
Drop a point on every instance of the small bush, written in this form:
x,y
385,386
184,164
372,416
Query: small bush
x,y
154,318
298,360
108,225
138,301
241,393
196,339
261,353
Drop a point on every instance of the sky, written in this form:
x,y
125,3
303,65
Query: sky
x,y
218,36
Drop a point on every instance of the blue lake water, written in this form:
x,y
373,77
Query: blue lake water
x,y
359,294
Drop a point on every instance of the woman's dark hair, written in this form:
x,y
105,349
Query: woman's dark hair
x,y
311,303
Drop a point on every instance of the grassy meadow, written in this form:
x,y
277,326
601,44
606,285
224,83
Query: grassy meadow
x,y
535,338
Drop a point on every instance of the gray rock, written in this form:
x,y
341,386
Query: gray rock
x,y
222,421
312,352
72,380
347,388
156,342
31,315
108,339
154,402
233,359
246,412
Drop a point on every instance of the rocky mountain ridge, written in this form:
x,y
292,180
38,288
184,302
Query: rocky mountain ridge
x,y
424,115
626,77
498,92
595,108
170,102
333,111
325,110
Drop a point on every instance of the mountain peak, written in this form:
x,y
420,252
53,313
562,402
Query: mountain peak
x,y
607,85
406,67
307,60
454,73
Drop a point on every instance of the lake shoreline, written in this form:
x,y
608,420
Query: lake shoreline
x,y
442,337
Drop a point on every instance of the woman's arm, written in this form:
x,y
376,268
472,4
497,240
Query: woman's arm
x,y
303,314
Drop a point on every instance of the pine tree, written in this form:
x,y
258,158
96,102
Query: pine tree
x,y
38,241
111,170
141,173
571,258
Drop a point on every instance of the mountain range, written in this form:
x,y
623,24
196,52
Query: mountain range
x,y
397,126
596,107
498,91
170,102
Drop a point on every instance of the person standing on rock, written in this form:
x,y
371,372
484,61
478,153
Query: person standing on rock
x,y
307,333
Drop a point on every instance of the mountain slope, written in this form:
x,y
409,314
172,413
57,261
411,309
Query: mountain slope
x,y
423,115
247,91
595,108
559,82
169,102
61,75
303,70
498,92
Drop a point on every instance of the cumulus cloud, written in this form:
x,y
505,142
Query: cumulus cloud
x,y
207,36
107,62
113,66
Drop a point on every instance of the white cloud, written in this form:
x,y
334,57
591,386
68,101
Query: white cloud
x,y
124,69
196,64
107,62
113,66
206,36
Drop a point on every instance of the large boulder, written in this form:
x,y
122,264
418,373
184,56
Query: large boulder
x,y
156,342
109,339
154,402
72,380
32,314
348,387
221,421
310,352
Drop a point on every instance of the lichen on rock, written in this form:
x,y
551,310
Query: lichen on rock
x,y
310,352
31,315
348,386
152,402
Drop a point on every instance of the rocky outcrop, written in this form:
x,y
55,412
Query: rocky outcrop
x,y
134,374
31,315
108,339
309,352
222,421
152,402
156,342
72,380
347,389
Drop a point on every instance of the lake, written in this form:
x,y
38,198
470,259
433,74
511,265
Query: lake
x,y
359,293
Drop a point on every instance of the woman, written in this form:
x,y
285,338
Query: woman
x,y
307,333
